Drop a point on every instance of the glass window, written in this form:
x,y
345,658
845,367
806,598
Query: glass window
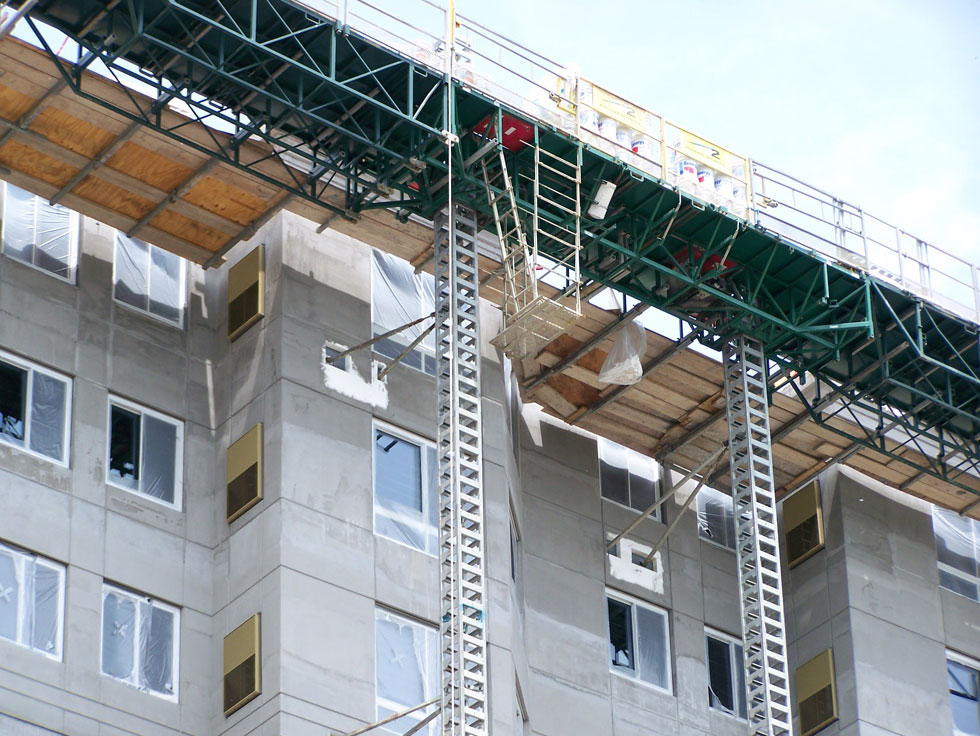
x,y
149,278
716,517
400,296
406,669
38,233
32,601
964,696
638,645
726,675
627,477
144,452
139,641
958,552
405,503
34,408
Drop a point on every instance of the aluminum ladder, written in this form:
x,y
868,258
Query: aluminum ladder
x,y
460,475
759,579
533,319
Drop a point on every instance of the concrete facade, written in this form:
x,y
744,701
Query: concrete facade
x,y
308,559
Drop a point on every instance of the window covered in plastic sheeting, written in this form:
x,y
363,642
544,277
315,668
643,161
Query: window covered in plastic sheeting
x,y
638,642
144,452
405,502
958,552
627,477
149,278
38,233
716,517
406,669
32,601
399,296
726,675
34,408
140,641
963,679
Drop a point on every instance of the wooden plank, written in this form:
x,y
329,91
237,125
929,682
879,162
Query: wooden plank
x,y
152,168
70,132
225,200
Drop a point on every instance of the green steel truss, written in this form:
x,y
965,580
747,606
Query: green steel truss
x,y
336,108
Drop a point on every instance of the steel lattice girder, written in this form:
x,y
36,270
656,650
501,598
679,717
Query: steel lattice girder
x,y
348,109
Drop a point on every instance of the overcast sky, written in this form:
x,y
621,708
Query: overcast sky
x,y
875,101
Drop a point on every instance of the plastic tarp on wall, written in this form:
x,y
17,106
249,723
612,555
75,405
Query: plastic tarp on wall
x,y
407,663
148,278
716,517
958,548
48,414
399,296
31,601
404,491
138,641
39,233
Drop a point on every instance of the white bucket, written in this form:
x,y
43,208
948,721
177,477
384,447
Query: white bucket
x,y
645,147
686,169
588,118
608,128
724,187
624,137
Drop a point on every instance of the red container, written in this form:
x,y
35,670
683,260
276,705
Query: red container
x,y
517,133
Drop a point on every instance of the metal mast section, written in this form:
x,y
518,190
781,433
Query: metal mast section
x,y
460,449
759,580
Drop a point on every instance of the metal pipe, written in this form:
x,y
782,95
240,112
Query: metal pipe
x,y
395,717
406,351
16,18
690,499
376,338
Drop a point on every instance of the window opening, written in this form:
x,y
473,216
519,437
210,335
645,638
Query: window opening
x,y
34,408
957,552
407,670
627,477
964,696
32,601
139,641
405,504
726,674
638,645
144,452
149,279
401,296
40,234
716,517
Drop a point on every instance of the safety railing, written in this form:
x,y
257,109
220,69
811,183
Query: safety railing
x,y
842,232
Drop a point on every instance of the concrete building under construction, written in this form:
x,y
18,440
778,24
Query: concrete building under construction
x,y
323,403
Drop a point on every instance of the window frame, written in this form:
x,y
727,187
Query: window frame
x,y
634,603
429,495
132,406
74,239
379,702
697,510
427,355
21,555
964,661
181,289
31,367
731,641
945,567
137,597
630,454
516,544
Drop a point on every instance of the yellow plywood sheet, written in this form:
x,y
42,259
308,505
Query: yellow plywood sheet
x,y
188,229
150,167
13,104
39,165
114,197
225,200
71,132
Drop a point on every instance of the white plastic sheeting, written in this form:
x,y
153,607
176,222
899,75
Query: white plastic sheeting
x,y
958,551
34,409
144,453
139,642
399,296
149,278
405,507
407,668
31,601
716,517
48,415
38,233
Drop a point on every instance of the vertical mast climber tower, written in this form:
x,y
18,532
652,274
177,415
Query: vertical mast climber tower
x,y
348,119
